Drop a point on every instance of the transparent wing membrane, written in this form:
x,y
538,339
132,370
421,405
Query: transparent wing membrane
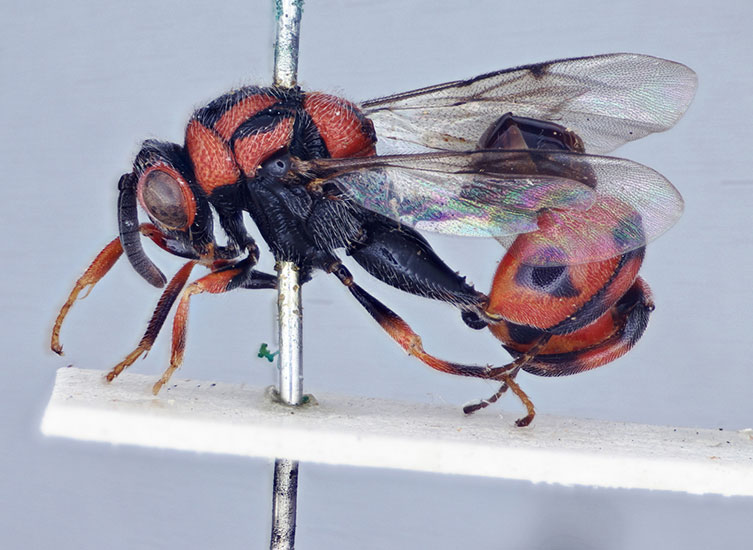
x,y
607,100
502,193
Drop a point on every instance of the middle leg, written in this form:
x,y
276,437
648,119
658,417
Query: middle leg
x,y
240,275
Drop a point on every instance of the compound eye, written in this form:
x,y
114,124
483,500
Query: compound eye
x,y
166,199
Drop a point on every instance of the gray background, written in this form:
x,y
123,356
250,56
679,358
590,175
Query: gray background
x,y
84,82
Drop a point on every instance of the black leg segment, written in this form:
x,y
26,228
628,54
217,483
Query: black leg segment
x,y
399,256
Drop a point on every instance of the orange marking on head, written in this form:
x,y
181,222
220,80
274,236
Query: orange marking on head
x,y
213,161
241,112
345,131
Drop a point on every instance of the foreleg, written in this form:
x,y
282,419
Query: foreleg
x,y
164,305
98,269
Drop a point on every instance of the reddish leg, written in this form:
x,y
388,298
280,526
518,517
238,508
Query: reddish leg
x,y
166,302
470,409
216,282
507,375
509,380
401,332
98,269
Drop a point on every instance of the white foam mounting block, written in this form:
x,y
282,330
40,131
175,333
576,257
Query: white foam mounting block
x,y
224,418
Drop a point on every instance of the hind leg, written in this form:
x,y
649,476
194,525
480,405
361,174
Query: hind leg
x,y
400,257
404,335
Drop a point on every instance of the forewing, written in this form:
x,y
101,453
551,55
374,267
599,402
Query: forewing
x,y
489,193
634,205
502,193
606,99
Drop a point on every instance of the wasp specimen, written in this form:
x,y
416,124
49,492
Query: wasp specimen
x,y
516,155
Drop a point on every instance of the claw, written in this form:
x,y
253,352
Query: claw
x,y
127,362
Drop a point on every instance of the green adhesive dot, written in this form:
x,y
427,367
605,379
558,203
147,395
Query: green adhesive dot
x,y
265,353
